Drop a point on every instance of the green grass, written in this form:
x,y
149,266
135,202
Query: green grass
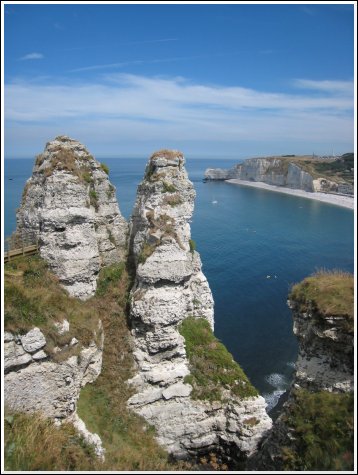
x,y
192,245
93,198
28,303
105,168
33,297
33,443
323,426
146,251
330,293
168,187
212,367
107,276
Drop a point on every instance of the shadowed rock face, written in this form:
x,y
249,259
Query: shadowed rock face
x,y
71,207
169,287
326,352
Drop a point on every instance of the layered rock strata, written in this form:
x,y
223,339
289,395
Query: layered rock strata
x,y
170,287
69,206
278,172
326,352
35,381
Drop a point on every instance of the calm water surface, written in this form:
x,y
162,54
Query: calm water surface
x,y
254,245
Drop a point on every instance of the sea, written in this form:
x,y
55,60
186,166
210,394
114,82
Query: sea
x,y
254,245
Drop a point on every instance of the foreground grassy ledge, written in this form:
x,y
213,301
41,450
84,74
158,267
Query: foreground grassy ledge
x,y
212,366
33,297
323,423
328,293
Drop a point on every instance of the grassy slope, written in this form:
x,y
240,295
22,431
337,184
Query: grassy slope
x,y
212,366
128,440
324,430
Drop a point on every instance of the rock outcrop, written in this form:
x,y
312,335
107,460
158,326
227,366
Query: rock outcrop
x,y
70,207
322,309
279,172
36,381
169,288
326,352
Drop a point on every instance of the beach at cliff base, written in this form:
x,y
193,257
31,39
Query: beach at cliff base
x,y
338,200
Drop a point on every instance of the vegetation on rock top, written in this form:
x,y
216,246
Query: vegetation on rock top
x,y
330,293
213,369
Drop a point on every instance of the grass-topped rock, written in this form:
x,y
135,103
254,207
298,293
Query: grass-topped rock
x,y
326,294
213,369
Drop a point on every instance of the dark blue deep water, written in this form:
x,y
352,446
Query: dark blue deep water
x,y
254,245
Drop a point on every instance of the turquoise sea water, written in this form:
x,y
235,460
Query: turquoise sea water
x,y
254,245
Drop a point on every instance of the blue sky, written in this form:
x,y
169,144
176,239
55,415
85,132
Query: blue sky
x,y
211,80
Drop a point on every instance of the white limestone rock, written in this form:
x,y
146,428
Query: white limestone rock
x,y
70,207
62,327
14,356
35,382
90,437
33,341
169,287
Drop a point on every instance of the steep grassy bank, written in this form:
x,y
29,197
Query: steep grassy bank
x,y
34,297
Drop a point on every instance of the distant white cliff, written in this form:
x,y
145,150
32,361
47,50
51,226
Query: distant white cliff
x,y
280,172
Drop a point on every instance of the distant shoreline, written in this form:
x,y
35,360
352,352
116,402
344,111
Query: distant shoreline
x,y
338,200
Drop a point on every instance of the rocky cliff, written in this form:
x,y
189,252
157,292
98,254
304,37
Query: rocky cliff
x,y
38,380
291,173
320,403
170,303
70,207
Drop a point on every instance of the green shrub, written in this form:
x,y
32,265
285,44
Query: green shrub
x,y
87,177
168,187
192,245
212,368
93,199
147,250
323,425
105,168
108,275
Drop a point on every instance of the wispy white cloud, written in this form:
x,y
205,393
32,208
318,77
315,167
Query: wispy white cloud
x,y
31,56
134,62
123,43
124,107
345,87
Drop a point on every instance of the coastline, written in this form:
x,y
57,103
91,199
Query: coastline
x,y
338,200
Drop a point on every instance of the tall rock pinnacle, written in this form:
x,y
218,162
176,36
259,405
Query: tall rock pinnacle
x,y
170,291
70,206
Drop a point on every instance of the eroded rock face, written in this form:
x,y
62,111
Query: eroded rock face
x,y
272,171
169,287
34,381
325,360
70,206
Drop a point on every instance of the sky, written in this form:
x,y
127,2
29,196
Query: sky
x,y
212,80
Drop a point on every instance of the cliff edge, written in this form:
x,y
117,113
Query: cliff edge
x,y
316,428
